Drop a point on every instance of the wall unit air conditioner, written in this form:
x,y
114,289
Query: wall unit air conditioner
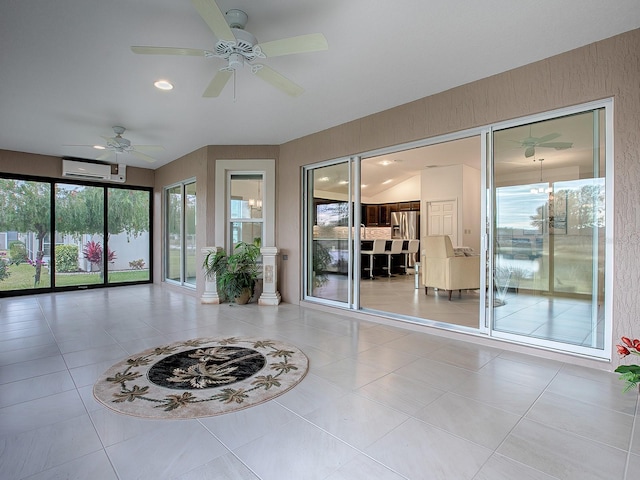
x,y
94,171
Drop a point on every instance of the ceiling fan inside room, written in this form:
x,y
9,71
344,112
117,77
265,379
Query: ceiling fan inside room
x,y
119,145
531,143
238,47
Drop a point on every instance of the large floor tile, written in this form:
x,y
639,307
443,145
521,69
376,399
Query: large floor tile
x,y
95,466
35,387
226,467
475,421
499,393
165,452
25,416
584,419
30,452
562,454
499,467
310,394
420,451
400,393
297,448
241,427
356,420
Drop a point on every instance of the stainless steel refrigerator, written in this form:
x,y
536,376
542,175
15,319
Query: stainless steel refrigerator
x,y
404,225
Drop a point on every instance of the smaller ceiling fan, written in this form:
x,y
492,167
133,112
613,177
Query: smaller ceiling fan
x,y
120,145
531,143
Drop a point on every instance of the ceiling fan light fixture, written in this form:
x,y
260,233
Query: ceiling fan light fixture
x,y
163,85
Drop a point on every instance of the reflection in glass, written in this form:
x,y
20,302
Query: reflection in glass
x,y
329,233
549,236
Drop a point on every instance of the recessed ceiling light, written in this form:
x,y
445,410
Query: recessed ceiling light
x,y
323,179
343,182
363,186
163,85
98,147
387,181
384,163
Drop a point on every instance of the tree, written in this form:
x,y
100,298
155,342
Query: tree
x,y
81,211
25,208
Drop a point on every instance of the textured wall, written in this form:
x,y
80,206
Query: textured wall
x,y
200,165
610,68
47,166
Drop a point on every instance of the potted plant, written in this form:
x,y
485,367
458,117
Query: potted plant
x,y
236,274
321,261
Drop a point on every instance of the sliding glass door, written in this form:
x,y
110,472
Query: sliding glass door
x,y
56,235
549,231
180,233
329,233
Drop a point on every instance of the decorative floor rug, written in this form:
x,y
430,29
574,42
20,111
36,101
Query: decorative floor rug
x,y
201,377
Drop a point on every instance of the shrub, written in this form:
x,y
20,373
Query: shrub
x,y
66,258
136,264
4,269
17,252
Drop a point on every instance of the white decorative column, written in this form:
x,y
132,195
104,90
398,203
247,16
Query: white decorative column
x,y
270,294
210,294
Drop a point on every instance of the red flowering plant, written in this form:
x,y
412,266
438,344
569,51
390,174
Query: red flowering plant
x,y
629,373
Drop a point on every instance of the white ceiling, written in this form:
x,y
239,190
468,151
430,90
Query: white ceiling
x,y
67,74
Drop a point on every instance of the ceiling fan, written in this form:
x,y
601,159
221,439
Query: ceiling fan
x,y
531,143
120,145
237,47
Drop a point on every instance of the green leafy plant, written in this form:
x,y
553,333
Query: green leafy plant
x,y
235,274
66,258
321,261
18,252
629,373
4,267
136,264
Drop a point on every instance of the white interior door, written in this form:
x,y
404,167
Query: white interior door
x,y
442,219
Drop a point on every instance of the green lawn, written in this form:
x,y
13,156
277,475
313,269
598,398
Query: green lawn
x,y
22,277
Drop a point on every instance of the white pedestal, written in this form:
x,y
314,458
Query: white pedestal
x,y
270,294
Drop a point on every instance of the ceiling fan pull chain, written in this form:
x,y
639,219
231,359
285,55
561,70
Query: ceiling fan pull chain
x,y
234,86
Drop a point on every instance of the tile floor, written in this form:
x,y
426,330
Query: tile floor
x,y
379,402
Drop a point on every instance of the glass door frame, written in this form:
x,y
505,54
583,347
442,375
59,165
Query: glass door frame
x,y
605,352
183,232
353,196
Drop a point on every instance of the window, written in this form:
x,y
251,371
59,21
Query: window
x,y
245,208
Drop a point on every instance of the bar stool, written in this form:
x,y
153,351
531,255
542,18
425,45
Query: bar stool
x,y
377,249
411,249
396,249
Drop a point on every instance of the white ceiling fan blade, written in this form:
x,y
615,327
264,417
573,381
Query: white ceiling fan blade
x,y
149,148
213,16
170,51
142,156
556,145
269,75
547,138
106,155
217,84
313,42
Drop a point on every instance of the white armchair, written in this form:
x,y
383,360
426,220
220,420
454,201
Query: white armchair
x,y
442,269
